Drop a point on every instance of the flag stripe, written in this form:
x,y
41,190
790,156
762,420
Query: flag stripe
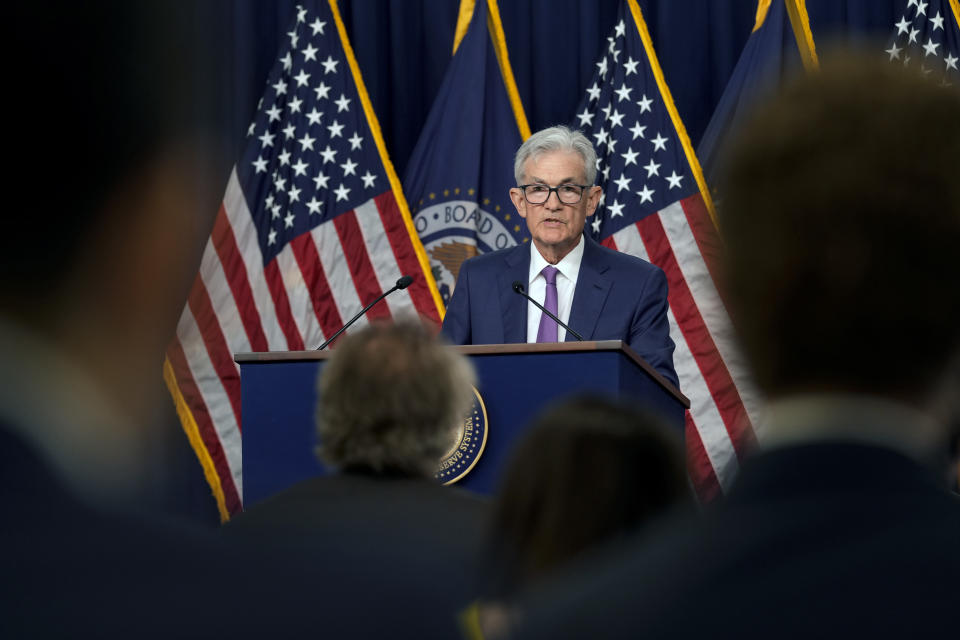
x,y
714,439
320,297
707,237
700,284
695,332
381,256
364,277
340,280
282,304
698,463
301,303
236,273
221,301
218,352
245,235
194,397
213,391
703,411
407,260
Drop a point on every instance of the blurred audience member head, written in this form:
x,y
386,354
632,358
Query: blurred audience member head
x,y
113,191
388,399
841,214
588,471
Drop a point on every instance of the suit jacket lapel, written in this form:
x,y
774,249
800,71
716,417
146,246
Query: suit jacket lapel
x,y
513,305
591,292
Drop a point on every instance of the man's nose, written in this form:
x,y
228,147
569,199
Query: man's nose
x,y
553,201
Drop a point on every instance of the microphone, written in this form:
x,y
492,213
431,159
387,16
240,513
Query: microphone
x,y
402,283
518,287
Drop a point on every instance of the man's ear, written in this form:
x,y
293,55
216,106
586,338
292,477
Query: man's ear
x,y
593,199
516,195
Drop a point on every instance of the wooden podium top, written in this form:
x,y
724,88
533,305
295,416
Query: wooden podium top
x,y
494,349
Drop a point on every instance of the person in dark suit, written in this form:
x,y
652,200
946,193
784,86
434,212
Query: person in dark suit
x,y
113,193
588,471
387,401
842,216
600,293
111,199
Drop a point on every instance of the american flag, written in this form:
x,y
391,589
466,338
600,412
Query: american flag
x,y
656,206
312,227
928,34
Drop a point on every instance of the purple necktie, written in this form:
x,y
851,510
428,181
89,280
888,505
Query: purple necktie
x,y
548,326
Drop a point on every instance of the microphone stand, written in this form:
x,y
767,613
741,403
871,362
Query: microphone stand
x,y
402,283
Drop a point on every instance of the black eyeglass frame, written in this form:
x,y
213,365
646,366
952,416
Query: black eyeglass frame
x,y
556,189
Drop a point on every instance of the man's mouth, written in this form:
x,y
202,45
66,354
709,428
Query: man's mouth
x,y
553,221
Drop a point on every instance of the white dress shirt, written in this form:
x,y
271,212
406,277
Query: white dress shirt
x,y
568,270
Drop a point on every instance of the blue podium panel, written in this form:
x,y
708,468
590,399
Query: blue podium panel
x,y
516,387
516,382
278,399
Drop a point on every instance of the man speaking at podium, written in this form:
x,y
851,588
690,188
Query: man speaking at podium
x,y
598,293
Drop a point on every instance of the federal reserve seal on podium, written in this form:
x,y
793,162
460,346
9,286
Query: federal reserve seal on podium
x,y
466,443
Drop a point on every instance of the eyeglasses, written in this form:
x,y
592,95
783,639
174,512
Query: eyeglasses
x,y
540,193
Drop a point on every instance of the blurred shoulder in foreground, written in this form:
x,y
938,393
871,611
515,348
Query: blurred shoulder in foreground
x,y
841,214
113,189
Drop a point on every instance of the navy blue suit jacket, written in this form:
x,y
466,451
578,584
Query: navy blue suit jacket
x,y
68,569
617,297
820,540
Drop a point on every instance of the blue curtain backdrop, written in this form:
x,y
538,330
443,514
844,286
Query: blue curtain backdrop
x,y
403,47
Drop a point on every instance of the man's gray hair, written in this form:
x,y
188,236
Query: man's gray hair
x,y
559,138
388,398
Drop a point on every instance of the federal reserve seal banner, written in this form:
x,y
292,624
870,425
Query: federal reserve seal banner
x,y
461,170
468,438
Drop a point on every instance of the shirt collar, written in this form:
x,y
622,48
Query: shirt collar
x,y
807,418
569,266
